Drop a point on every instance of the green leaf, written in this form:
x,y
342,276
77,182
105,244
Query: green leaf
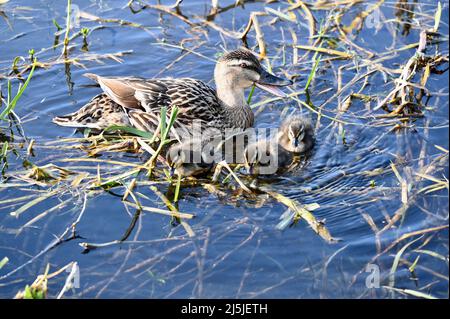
x,y
414,264
130,130
10,107
4,150
28,294
249,99
39,294
33,293
177,189
312,74
58,27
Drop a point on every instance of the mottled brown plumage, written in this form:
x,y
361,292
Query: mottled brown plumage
x,y
99,113
140,100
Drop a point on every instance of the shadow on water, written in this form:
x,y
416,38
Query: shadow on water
x,y
368,172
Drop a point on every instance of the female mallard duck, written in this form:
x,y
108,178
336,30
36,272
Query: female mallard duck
x,y
295,137
137,102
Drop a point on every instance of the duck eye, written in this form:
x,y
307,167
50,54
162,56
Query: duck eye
x,y
243,65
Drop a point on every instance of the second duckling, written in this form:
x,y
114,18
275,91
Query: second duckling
x,y
189,158
295,138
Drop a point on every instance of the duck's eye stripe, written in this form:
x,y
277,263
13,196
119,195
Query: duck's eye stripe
x,y
243,65
247,66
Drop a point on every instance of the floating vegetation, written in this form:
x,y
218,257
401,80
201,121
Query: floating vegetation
x,y
374,192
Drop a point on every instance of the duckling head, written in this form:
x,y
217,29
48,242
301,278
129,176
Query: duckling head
x,y
296,135
240,69
186,160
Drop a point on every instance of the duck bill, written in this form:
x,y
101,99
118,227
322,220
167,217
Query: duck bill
x,y
251,169
172,171
271,83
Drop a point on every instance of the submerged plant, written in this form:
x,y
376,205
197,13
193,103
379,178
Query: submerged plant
x,y
84,33
127,163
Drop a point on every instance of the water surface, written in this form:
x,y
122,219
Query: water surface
x,y
237,251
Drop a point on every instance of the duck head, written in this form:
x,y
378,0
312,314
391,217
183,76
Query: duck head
x,y
240,69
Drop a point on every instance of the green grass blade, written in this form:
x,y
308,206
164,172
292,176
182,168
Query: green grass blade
x,y
397,260
10,107
177,189
4,149
130,130
9,93
432,254
249,99
173,116
312,74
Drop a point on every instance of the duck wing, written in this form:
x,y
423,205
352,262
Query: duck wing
x,y
119,89
195,100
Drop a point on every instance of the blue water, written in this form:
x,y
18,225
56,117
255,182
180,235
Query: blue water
x,y
237,251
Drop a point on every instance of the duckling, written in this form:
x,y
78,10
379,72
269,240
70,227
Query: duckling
x,y
140,100
296,135
278,154
190,157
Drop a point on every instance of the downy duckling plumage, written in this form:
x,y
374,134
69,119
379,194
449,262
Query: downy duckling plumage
x,y
189,158
268,156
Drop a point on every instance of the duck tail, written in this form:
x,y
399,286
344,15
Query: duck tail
x,y
98,113
65,120
92,76
74,120
82,118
